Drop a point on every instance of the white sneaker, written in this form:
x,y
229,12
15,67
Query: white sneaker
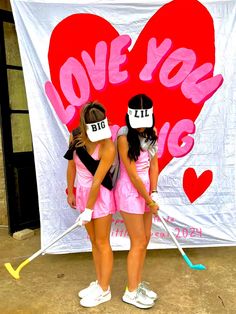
x,y
89,289
151,294
138,298
96,297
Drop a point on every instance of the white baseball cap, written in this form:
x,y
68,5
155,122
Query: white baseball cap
x,y
140,118
98,130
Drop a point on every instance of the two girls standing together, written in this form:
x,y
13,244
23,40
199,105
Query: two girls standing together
x,y
91,155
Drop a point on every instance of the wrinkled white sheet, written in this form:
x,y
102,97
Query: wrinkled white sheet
x,y
211,219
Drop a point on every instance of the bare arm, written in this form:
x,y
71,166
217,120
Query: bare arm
x,y
71,173
107,158
153,174
131,169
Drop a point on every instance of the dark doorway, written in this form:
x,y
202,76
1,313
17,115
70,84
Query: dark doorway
x,y
22,197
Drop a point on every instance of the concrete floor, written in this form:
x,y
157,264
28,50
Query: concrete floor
x,y
50,283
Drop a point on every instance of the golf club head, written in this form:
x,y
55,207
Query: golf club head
x,y
190,264
15,273
198,267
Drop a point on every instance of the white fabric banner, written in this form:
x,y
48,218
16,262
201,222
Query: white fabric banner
x,y
197,190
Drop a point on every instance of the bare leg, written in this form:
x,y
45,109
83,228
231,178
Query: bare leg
x,y
91,232
136,230
147,218
102,227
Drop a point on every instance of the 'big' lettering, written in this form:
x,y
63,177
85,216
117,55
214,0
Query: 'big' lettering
x,y
98,126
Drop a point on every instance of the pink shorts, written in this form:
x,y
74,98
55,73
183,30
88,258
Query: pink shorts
x,y
128,199
105,203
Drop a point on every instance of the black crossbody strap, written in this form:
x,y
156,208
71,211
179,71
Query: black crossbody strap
x,y
90,163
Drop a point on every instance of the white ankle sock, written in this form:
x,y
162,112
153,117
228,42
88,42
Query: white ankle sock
x,y
131,293
104,291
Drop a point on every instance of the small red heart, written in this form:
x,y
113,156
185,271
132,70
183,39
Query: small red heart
x,y
195,186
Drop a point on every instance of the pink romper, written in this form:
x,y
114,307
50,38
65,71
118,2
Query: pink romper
x,y
105,203
126,196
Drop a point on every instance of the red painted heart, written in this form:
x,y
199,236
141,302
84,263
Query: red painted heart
x,y
187,23
195,186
